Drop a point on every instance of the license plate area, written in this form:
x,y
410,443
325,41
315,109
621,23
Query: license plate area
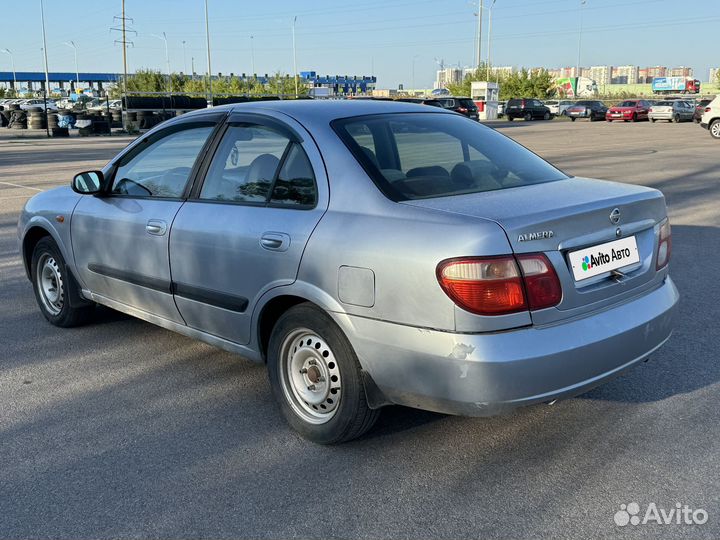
x,y
602,258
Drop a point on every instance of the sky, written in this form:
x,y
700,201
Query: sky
x,y
399,41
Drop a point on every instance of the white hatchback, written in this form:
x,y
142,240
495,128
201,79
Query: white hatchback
x,y
711,118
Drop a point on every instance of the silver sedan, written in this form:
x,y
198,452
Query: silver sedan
x,y
672,111
370,253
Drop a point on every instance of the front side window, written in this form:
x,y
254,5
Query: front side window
x,y
423,155
163,168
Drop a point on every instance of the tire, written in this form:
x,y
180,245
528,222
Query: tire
x,y
635,117
676,118
54,286
653,120
330,363
714,129
572,118
528,116
608,120
546,116
510,119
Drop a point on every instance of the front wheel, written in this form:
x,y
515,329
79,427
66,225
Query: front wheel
x,y
653,120
715,129
528,116
510,118
676,118
315,377
53,285
572,118
635,117
546,116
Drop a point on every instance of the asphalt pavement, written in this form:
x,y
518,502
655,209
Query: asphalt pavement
x,y
120,429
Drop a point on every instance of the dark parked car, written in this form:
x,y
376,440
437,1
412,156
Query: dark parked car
x,y
462,105
594,110
700,109
421,101
528,109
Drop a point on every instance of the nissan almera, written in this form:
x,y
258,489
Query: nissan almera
x,y
369,252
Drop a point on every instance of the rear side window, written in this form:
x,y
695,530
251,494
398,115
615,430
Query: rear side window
x,y
424,155
467,103
244,165
259,165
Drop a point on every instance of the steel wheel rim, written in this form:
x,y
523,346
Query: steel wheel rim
x,y
50,284
715,129
310,376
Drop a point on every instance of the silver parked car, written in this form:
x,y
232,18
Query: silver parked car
x,y
369,252
672,111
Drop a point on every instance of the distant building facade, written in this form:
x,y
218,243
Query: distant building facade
x,y
625,75
713,74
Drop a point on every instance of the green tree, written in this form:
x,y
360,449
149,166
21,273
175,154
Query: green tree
x,y
523,83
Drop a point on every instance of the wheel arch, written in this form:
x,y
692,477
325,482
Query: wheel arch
x,y
280,299
30,239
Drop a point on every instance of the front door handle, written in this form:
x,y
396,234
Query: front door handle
x,y
275,241
156,227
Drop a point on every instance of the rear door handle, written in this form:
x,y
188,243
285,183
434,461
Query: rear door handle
x,y
275,241
156,227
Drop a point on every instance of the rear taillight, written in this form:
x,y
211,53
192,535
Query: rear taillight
x,y
708,109
500,285
487,286
664,245
462,109
541,282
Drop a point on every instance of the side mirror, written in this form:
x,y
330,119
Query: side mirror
x,y
88,183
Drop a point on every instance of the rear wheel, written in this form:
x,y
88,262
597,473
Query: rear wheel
x,y
715,129
510,118
653,120
676,118
315,377
572,118
53,286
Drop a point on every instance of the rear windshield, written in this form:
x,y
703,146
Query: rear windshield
x,y
467,103
424,155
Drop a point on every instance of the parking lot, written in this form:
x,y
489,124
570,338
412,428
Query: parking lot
x,y
122,429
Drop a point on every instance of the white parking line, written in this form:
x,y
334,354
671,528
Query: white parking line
x,y
19,186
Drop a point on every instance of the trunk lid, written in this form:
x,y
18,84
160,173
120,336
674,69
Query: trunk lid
x,y
558,218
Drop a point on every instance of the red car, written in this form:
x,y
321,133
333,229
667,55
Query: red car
x,y
630,110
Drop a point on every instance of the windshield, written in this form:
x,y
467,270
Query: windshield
x,y
664,104
423,155
627,104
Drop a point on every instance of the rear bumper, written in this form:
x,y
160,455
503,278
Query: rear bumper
x,y
704,125
486,374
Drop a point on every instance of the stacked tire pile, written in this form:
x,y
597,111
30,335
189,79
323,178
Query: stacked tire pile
x,y
116,117
18,118
4,117
55,129
37,118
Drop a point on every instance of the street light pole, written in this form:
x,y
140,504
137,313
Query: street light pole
x,y
12,63
479,34
252,54
487,71
47,76
294,56
184,59
413,72
167,56
577,67
77,73
207,39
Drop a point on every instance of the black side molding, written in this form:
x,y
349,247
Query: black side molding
x,y
132,277
214,298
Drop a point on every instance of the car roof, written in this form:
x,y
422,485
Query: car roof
x,y
323,110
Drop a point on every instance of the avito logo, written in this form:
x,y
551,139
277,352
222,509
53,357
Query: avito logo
x,y
603,258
